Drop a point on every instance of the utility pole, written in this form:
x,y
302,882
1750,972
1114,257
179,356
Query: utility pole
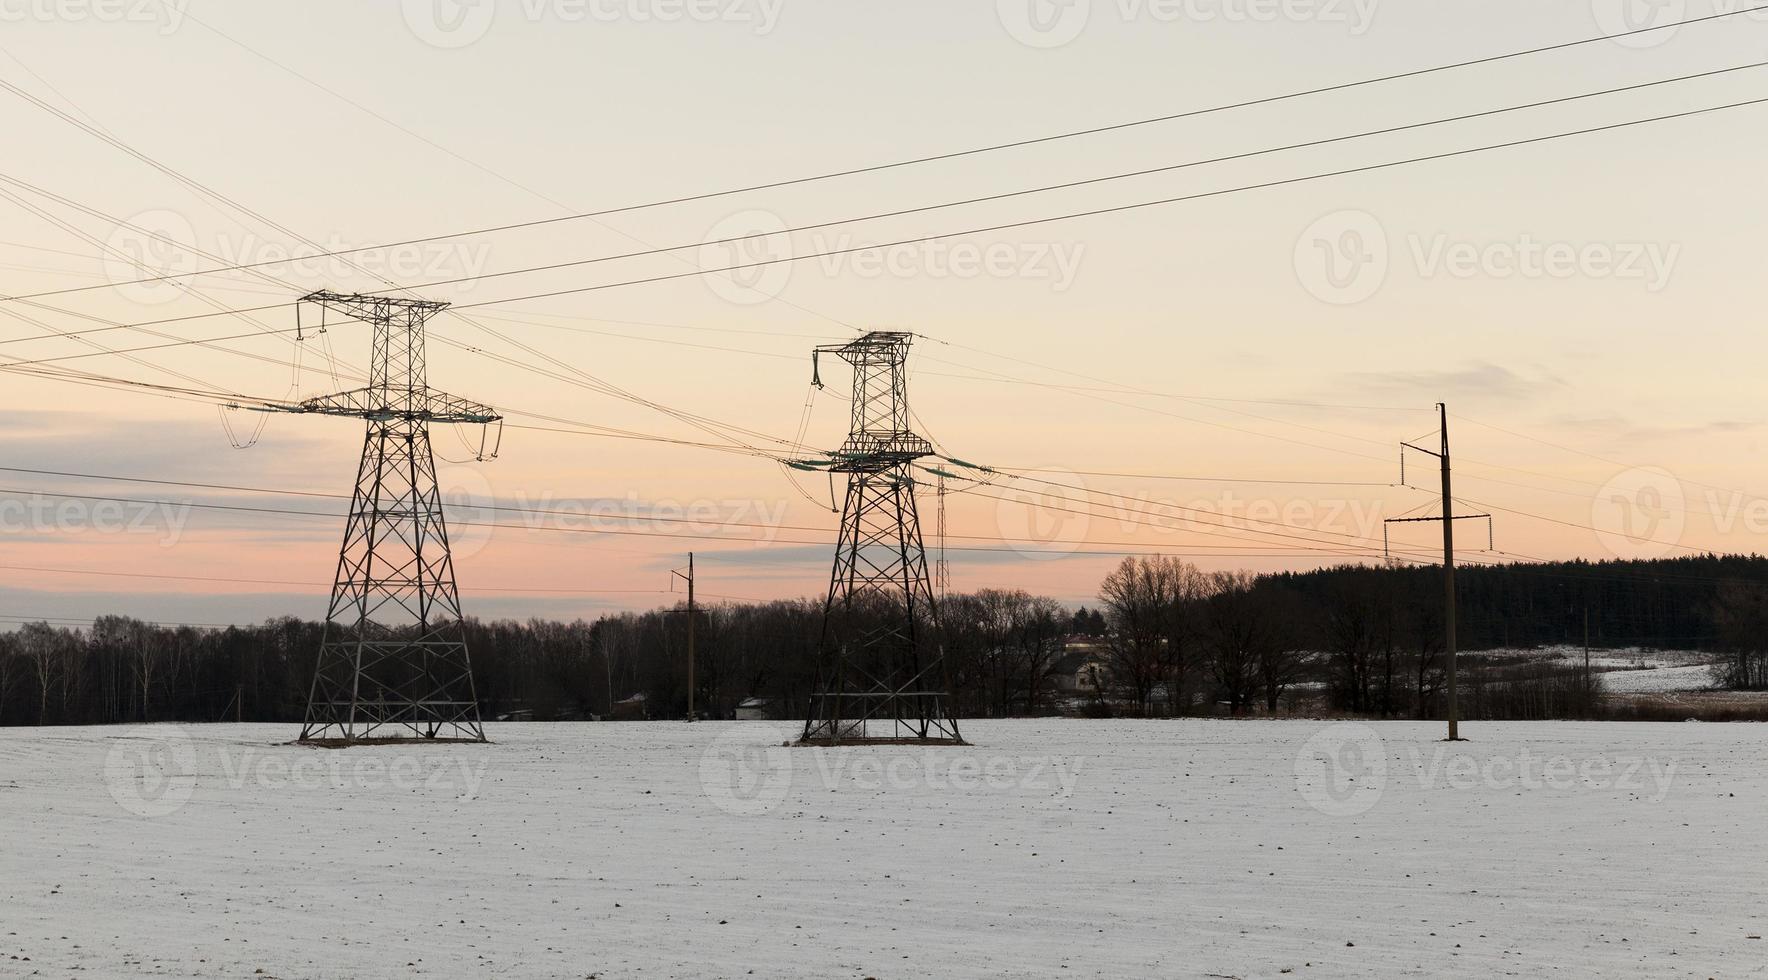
x,y
689,578
608,672
1449,518
1590,680
1449,578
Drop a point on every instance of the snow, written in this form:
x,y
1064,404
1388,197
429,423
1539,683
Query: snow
x,y
1698,677
1631,670
1055,847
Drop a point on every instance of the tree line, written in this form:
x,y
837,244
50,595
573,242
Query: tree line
x,y
1165,638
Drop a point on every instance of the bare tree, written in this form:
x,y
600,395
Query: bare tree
x,y
1740,614
1138,598
41,646
1280,658
1234,623
1185,617
1351,637
1041,633
9,673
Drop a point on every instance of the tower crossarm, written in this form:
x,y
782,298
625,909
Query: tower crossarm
x,y
373,403
372,308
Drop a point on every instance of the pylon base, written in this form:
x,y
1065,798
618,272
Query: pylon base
x,y
881,740
344,743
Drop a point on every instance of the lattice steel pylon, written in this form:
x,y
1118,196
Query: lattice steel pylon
x,y
393,662
883,667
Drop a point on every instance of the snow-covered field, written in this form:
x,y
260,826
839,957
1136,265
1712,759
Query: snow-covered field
x,y
1632,670
1061,848
1698,677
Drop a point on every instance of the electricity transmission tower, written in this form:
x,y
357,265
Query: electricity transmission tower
x,y
393,662
883,668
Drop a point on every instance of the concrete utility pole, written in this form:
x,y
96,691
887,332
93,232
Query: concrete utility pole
x,y
689,578
1449,518
1449,578
1586,641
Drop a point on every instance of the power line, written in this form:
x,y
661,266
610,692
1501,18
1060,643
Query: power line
x,y
914,161
500,508
1070,216
1198,479
903,212
318,585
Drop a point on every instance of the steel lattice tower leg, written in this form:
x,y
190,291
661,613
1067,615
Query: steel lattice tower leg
x,y
884,675
393,663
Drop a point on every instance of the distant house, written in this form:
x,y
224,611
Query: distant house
x,y
631,709
752,709
1081,670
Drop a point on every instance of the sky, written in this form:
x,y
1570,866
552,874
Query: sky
x,y
1250,356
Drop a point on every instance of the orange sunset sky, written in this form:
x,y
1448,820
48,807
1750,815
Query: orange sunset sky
x,y
1584,306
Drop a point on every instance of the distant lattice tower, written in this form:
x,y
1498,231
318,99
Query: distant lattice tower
x,y
883,671
393,663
